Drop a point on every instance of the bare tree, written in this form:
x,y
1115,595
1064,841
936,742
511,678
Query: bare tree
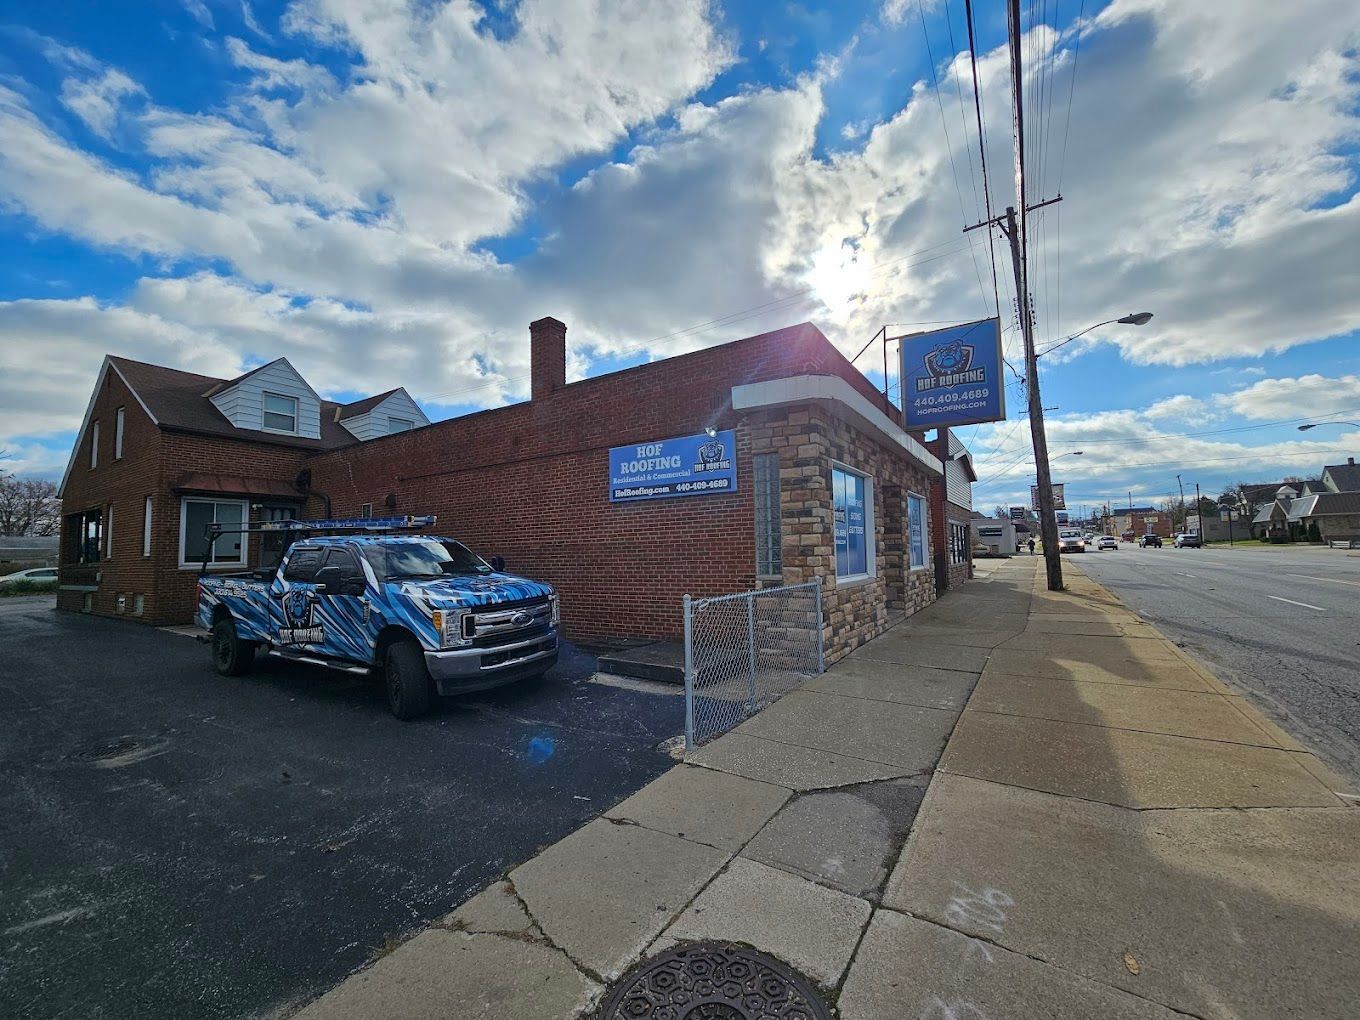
x,y
28,506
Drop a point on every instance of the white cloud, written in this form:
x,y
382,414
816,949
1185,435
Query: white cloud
x,y
1181,407
1308,396
96,100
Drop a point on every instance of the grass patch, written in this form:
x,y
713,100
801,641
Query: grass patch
x,y
27,588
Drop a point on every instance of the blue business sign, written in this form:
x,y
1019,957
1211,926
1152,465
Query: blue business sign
x,y
952,376
685,466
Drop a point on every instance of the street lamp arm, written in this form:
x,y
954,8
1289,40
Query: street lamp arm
x,y
1133,319
1352,424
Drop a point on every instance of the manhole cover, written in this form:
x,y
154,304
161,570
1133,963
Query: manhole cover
x,y
713,981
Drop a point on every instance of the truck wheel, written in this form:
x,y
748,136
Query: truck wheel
x,y
230,655
407,680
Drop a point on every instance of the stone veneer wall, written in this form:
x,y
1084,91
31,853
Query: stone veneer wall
x,y
808,440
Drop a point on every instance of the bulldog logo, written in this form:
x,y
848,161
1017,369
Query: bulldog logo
x,y
299,608
949,358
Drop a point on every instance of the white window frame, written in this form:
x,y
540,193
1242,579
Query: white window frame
x,y
410,423
365,509
870,527
244,504
146,526
108,532
264,410
118,433
925,531
94,444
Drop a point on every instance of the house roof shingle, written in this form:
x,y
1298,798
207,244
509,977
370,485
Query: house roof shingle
x,y
1346,477
178,400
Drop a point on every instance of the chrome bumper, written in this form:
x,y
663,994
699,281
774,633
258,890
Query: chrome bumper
x,y
462,669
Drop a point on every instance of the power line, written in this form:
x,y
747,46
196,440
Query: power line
x,y
1162,463
953,167
1194,435
982,151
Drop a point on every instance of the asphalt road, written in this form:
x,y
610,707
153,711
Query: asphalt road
x,y
1280,623
177,844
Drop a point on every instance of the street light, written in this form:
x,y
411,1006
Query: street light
x,y
1132,319
1305,428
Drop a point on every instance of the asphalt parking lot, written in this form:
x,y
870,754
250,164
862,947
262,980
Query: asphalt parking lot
x,y
178,844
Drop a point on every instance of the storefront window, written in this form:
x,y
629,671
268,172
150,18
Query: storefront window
x,y
853,505
916,528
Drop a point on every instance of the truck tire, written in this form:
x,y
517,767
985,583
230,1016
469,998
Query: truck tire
x,y
406,680
230,655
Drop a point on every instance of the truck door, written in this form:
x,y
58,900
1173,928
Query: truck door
x,y
294,600
343,611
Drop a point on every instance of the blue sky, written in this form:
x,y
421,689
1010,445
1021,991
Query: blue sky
x,y
388,193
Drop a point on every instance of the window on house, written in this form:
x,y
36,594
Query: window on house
x,y
399,425
118,435
769,523
853,505
84,537
94,445
280,413
108,534
916,530
365,509
195,515
146,528
958,543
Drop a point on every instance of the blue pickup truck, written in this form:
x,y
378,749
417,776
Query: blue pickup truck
x,y
425,613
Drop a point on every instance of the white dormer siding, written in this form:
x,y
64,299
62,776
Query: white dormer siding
x,y
243,403
396,413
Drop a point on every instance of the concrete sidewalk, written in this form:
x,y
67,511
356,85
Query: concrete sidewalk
x,y
1110,833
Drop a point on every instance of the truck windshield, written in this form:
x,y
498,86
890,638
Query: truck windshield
x,y
396,560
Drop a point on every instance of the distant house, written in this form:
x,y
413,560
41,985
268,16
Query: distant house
x,y
1318,509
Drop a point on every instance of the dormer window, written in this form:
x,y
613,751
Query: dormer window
x,y
280,413
399,425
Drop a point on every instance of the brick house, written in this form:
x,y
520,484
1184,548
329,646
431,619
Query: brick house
x,y
828,485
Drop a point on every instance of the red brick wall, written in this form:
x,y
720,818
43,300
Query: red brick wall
x,y
530,482
153,460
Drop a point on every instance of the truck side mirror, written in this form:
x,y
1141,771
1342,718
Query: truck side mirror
x,y
328,581
497,563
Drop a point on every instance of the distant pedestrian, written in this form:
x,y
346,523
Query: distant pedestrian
x,y
1031,547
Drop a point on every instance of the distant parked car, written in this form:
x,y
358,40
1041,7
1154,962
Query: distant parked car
x,y
38,575
1186,540
1107,542
1154,541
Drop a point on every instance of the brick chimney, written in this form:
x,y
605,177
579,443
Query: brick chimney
x,y
547,356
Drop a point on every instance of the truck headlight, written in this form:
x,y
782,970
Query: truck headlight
x,y
556,603
452,626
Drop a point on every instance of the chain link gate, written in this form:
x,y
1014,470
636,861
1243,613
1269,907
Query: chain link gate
x,y
744,651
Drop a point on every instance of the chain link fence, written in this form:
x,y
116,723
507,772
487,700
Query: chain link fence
x,y
744,651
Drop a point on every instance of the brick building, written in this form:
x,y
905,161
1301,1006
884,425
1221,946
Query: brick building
x,y
828,485
1142,520
951,511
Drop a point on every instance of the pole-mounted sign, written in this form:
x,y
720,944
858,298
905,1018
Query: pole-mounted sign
x,y
1017,513
952,376
1059,502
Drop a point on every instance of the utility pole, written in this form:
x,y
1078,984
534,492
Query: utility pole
x,y
1015,231
1199,515
1173,516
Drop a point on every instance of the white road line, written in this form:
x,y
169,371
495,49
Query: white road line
x,y
1334,580
1182,573
1293,603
